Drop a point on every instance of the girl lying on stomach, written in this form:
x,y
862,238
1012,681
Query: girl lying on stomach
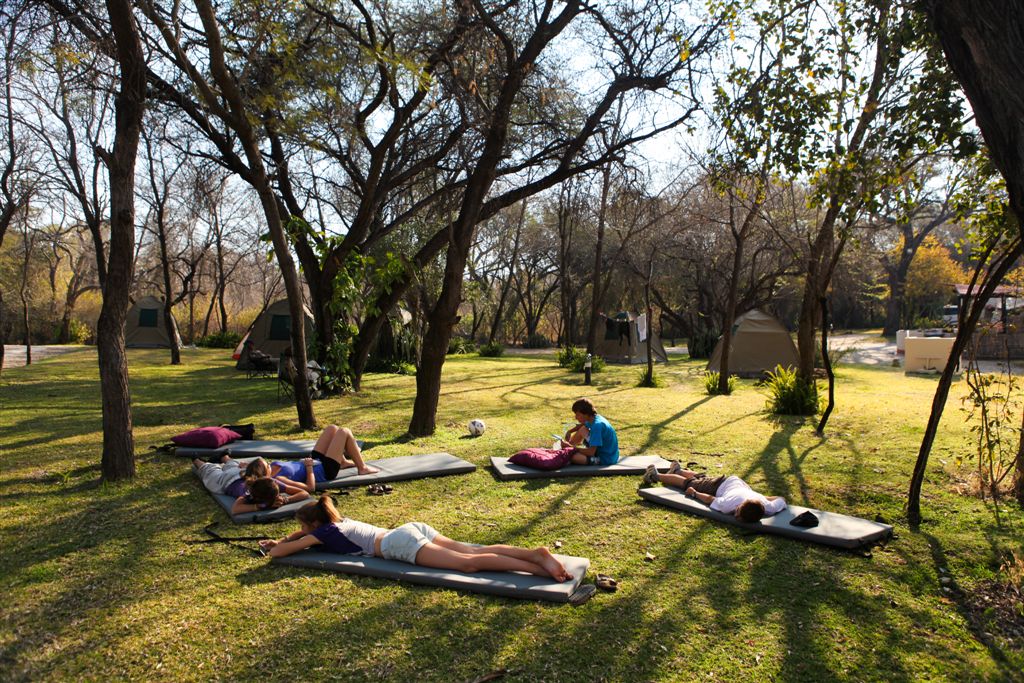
x,y
415,543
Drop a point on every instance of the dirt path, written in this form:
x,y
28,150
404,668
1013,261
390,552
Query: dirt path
x,y
14,355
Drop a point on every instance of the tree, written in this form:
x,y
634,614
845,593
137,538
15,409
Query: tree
x,y
930,279
981,41
857,93
161,178
118,460
17,182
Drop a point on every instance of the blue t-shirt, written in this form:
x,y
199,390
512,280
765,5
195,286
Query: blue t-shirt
x,y
603,437
296,470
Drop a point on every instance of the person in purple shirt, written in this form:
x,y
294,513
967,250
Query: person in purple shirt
x,y
416,543
336,449
251,488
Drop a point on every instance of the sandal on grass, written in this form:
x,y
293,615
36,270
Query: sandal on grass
x,y
606,583
375,490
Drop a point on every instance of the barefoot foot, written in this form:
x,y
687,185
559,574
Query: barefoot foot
x,y
551,564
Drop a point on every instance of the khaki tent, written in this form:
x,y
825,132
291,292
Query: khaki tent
x,y
759,343
144,328
624,340
271,332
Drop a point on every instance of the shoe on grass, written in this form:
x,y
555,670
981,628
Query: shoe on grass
x,y
651,475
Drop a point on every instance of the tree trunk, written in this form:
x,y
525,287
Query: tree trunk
x,y
118,460
596,290
820,431
894,305
1017,490
165,266
507,285
730,313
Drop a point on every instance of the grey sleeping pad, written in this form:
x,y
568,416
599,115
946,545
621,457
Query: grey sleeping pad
x,y
401,468
634,464
507,584
242,448
833,528
391,469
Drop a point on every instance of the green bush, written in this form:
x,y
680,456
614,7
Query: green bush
x,y
458,346
492,350
537,341
597,364
788,394
652,382
711,383
78,332
220,340
568,354
391,366
574,358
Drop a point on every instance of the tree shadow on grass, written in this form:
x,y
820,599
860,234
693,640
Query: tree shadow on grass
x,y
104,543
958,598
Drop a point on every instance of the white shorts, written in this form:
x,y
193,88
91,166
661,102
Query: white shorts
x,y
404,542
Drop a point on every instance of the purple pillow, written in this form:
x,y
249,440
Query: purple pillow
x,y
206,437
542,458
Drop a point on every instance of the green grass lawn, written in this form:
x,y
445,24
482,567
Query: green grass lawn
x,y
98,580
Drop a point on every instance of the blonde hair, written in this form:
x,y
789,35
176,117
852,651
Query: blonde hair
x,y
318,513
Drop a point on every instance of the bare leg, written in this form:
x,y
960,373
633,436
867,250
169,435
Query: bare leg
x,y
579,436
433,555
344,444
325,438
539,555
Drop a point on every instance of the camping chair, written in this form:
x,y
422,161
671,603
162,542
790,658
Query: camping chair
x,y
260,365
285,377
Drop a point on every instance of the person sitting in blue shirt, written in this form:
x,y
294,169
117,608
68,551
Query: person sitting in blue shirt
x,y
593,439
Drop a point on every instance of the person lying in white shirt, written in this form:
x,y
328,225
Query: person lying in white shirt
x,y
727,494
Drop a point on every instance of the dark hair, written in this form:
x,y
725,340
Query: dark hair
x,y
318,513
751,511
256,469
263,491
585,406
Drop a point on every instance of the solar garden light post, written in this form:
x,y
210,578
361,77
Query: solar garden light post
x,y
586,371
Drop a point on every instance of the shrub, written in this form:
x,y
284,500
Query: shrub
x,y
78,332
788,394
460,345
652,382
391,366
220,340
711,383
537,341
492,350
574,358
568,354
597,364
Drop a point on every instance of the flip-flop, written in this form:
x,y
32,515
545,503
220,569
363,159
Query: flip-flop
x,y
606,583
375,490
386,488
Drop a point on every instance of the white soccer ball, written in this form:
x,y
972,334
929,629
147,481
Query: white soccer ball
x,y
476,427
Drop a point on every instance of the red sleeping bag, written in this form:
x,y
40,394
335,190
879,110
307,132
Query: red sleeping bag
x,y
543,458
